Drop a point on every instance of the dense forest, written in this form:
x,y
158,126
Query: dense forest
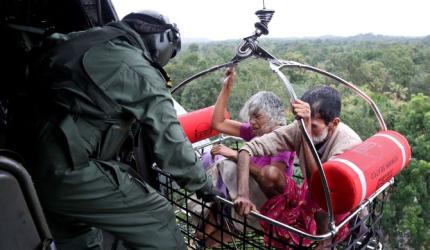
x,y
395,72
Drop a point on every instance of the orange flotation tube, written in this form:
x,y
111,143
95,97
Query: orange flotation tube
x,y
357,173
197,124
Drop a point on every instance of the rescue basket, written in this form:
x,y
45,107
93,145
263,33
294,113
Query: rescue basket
x,y
232,232
236,233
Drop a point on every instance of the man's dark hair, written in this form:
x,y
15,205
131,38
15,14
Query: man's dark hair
x,y
325,101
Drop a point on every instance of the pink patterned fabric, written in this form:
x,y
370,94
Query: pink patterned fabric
x,y
295,208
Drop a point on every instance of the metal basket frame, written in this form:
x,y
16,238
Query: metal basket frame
x,y
249,48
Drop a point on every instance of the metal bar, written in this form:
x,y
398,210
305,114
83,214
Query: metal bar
x,y
248,47
285,226
221,139
308,140
317,237
364,96
276,65
99,12
365,203
202,73
17,170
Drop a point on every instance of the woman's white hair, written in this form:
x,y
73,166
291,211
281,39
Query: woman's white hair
x,y
267,102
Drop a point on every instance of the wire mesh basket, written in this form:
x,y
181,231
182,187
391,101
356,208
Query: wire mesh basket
x,y
229,231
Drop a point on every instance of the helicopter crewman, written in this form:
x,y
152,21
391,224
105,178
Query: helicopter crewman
x,y
100,85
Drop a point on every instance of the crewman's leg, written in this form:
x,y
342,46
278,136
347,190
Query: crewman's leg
x,y
100,195
70,235
104,196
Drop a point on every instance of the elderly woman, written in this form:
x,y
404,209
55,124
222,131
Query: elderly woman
x,y
264,112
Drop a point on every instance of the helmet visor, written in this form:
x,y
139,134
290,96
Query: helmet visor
x,y
175,40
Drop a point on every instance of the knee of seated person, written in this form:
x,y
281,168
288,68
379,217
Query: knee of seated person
x,y
271,174
274,177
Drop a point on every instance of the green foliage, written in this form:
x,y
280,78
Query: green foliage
x,y
406,215
414,122
396,74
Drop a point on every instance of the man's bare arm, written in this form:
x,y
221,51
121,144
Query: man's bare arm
x,y
242,203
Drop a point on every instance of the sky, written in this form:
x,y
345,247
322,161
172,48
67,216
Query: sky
x,y
234,19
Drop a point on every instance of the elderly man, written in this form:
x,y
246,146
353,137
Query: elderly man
x,y
320,109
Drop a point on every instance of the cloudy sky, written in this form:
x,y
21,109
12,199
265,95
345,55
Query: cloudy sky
x,y
233,19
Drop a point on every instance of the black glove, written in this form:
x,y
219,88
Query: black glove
x,y
207,193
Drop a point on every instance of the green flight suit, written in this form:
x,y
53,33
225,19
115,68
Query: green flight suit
x,y
82,188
